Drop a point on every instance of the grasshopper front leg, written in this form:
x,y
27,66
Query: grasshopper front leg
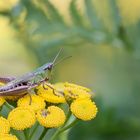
x,y
53,89
40,80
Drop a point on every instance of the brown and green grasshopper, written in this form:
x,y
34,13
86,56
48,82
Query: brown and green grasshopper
x,y
23,84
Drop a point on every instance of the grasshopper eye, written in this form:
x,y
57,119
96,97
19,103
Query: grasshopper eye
x,y
49,67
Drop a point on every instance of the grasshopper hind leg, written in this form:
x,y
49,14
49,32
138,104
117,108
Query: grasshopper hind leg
x,y
30,100
30,91
46,84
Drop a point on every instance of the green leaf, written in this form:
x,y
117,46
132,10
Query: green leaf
x,y
34,13
75,14
92,16
53,12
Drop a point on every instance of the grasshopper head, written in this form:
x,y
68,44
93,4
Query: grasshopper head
x,y
48,66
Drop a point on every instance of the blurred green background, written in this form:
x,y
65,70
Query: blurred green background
x,y
103,37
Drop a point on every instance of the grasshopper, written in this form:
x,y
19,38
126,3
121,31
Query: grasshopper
x,y
26,83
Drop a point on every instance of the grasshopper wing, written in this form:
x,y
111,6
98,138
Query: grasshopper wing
x,y
15,91
6,79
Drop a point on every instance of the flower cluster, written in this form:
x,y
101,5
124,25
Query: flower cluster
x,y
47,108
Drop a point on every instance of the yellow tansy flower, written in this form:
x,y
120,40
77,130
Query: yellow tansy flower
x,y
1,84
84,109
59,86
1,98
12,98
66,84
21,118
50,95
73,91
1,101
4,126
51,117
129,10
8,137
37,102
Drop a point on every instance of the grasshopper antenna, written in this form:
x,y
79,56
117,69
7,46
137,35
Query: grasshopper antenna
x,y
67,57
57,56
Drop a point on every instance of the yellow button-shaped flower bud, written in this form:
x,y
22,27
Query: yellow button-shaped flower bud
x,y
12,98
21,118
1,84
73,91
50,94
4,126
37,102
51,117
66,84
8,137
84,109
59,86
2,100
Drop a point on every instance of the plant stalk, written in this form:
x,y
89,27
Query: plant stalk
x,y
43,133
9,106
62,129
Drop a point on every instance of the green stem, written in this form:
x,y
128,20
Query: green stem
x,y
69,126
26,133
57,131
55,134
18,135
68,117
9,106
64,136
43,133
31,135
62,129
0,110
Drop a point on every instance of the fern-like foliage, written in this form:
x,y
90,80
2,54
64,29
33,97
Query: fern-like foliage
x,y
41,26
